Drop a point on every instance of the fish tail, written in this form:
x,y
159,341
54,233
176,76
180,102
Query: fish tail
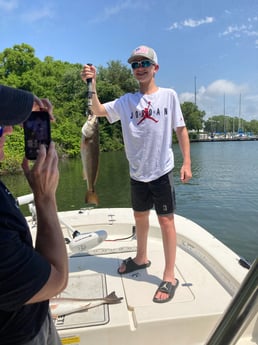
x,y
91,198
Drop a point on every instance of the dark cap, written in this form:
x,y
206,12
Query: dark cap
x,y
15,105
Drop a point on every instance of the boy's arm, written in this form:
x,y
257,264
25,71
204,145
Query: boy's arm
x,y
184,143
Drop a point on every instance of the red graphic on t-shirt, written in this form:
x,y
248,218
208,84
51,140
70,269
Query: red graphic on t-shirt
x,y
146,115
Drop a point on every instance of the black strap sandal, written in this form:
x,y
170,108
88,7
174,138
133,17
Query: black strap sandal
x,y
167,288
131,266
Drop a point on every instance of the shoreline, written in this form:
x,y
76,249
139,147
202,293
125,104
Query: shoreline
x,y
222,139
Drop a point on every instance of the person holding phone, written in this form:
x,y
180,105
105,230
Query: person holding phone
x,y
29,276
36,132
148,118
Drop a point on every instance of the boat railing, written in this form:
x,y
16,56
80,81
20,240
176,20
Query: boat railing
x,y
240,312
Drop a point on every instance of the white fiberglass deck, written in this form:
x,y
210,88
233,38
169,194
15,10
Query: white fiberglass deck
x,y
208,273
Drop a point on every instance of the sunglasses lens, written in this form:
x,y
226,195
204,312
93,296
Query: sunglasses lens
x,y
1,131
135,65
144,64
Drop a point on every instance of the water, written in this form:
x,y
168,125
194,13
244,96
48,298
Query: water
x,y
222,195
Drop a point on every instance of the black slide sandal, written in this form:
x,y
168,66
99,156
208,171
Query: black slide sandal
x,y
131,266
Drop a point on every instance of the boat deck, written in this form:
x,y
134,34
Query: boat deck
x,y
206,286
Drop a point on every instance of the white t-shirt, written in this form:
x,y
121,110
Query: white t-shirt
x,y
147,124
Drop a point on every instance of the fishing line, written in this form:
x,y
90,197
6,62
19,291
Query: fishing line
x,y
124,238
120,239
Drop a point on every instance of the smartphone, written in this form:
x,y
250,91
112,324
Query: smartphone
x,y
36,132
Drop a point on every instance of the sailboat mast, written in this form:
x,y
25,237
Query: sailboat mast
x,y
239,114
224,112
195,90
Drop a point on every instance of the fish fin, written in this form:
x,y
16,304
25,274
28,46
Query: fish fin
x,y
91,198
112,298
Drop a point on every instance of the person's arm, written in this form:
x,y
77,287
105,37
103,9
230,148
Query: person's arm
x,y
184,143
89,72
43,178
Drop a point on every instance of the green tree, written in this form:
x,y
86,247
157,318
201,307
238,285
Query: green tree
x,y
118,75
15,62
113,82
225,124
193,116
214,124
253,127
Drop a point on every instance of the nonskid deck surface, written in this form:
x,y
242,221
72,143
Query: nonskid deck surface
x,y
197,304
198,291
199,301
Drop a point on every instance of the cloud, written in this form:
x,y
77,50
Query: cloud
x,y
252,105
116,9
211,99
194,23
28,15
191,23
237,31
223,86
36,15
186,97
8,5
249,29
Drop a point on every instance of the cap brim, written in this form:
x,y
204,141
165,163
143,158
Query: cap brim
x,y
15,105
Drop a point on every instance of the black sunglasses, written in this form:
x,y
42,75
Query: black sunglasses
x,y
143,63
1,130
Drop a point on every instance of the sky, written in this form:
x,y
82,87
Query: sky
x,y
207,50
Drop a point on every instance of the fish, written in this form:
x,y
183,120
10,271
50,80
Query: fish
x,y
61,306
90,157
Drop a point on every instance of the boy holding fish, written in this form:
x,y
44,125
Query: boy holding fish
x,y
148,118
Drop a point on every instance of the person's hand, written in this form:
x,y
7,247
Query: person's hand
x,y
185,173
43,176
89,72
43,105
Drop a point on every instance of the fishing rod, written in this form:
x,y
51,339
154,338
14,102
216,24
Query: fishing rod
x,y
89,93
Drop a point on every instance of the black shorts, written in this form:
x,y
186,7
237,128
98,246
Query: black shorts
x,y
159,193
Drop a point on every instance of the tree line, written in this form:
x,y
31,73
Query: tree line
x,y
60,81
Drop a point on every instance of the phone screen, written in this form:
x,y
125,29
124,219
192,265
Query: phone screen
x,y
36,132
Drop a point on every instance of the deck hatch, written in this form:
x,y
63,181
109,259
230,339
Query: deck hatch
x,y
85,286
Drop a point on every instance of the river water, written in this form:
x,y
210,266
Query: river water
x,y
222,195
